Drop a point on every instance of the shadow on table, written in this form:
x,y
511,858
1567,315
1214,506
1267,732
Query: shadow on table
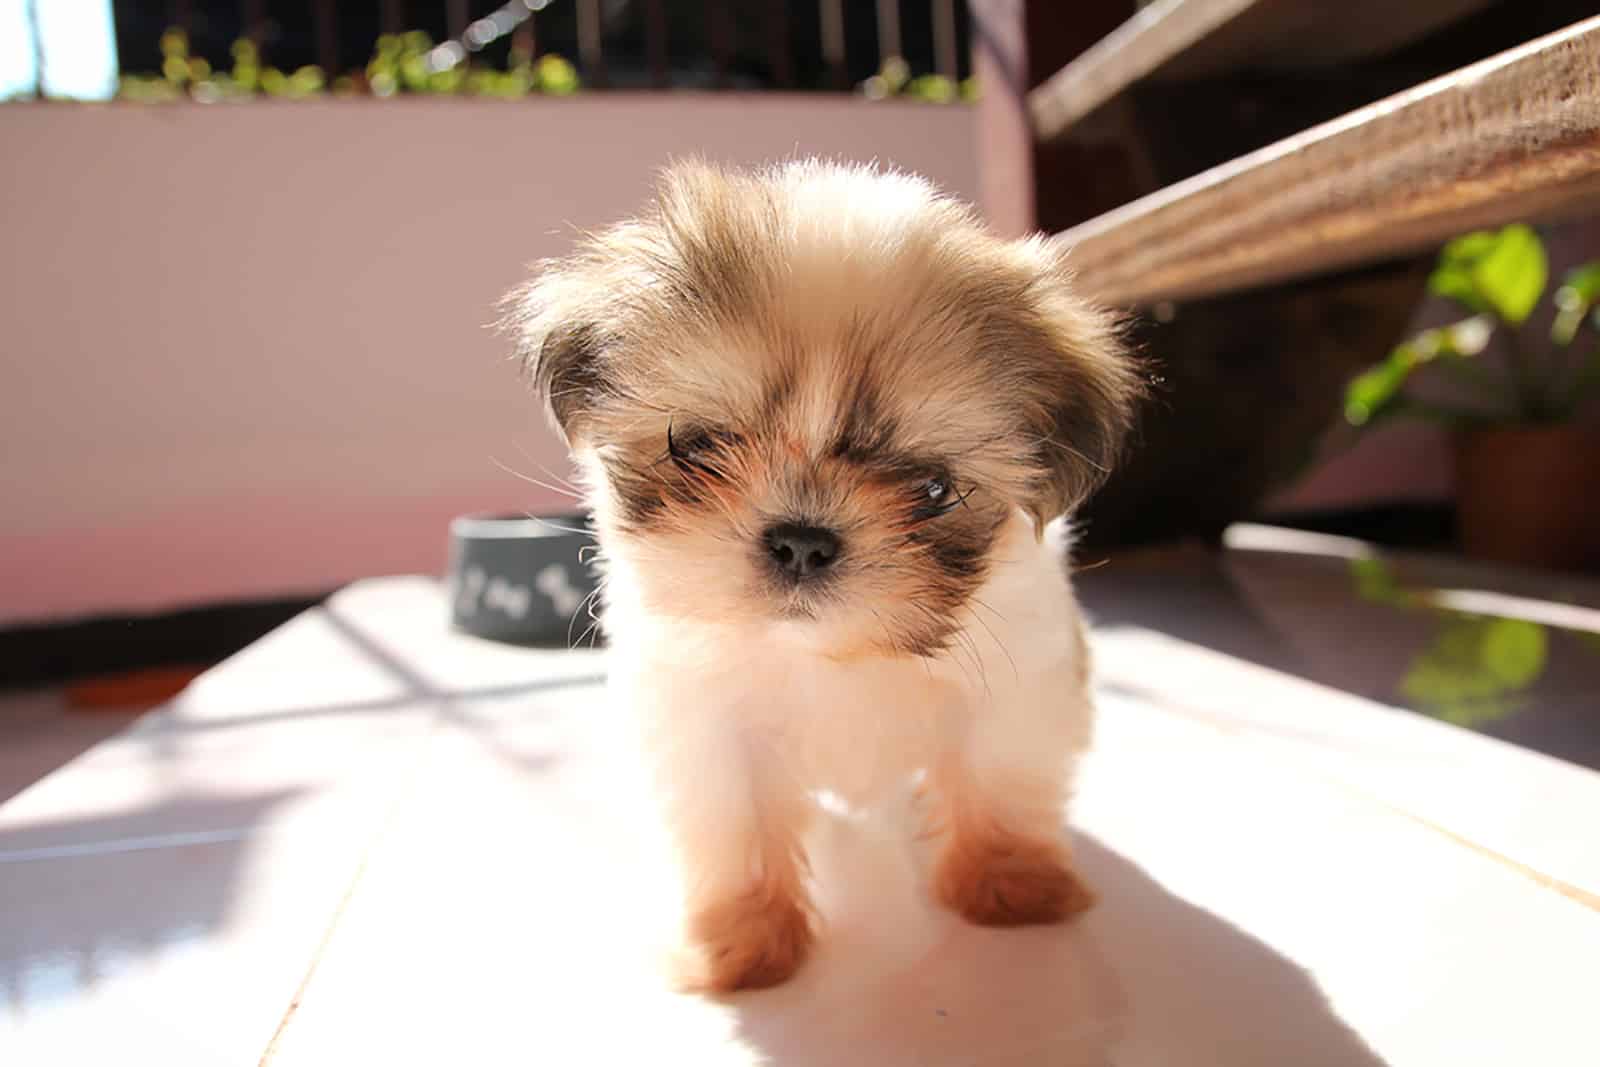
x,y
1146,978
1188,593
86,898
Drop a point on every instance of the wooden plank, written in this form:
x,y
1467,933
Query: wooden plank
x,y
180,13
1289,35
1005,144
1025,187
327,37
778,44
591,51
831,12
946,61
1514,137
253,14
1196,38
655,34
1129,53
525,39
888,31
721,33
392,16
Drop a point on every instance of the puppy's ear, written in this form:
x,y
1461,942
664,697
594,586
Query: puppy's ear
x,y
1083,385
558,323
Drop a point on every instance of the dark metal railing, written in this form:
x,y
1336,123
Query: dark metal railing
x,y
720,44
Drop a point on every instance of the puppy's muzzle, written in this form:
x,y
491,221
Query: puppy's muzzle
x,y
801,552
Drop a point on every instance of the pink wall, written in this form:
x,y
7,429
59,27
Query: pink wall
x,y
244,350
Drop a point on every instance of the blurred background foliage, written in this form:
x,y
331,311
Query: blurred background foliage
x,y
1499,277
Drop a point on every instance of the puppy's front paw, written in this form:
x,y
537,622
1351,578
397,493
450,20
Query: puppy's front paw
x,y
747,942
1005,879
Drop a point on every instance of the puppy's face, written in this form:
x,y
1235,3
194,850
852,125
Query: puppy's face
x,y
817,395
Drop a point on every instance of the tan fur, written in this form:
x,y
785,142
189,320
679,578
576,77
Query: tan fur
x,y
829,345
752,938
1000,865
998,878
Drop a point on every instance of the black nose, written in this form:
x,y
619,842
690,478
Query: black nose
x,y
801,551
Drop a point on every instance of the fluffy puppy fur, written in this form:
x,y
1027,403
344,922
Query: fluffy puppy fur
x,y
823,419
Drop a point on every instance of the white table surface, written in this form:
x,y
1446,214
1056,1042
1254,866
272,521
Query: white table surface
x,y
368,840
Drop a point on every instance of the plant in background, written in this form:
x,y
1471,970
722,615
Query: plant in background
x,y
186,76
1526,445
399,64
1478,667
1499,276
894,79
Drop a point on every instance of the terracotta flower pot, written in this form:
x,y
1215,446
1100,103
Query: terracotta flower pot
x,y
1530,495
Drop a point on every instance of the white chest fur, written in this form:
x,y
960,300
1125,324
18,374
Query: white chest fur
x,y
858,727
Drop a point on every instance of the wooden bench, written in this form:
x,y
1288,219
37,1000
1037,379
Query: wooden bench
x,y
1275,176
1512,138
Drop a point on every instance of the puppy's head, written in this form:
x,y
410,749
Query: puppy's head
x,y
818,394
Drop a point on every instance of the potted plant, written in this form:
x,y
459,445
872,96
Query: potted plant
x,y
1516,399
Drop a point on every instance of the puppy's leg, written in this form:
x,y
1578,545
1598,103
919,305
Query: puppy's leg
x,y
1000,802
737,827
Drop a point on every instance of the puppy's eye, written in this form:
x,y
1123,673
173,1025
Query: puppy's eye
x,y
697,450
935,496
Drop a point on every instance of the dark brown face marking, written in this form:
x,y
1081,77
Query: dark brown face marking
x,y
566,369
865,435
780,394
956,545
961,557
700,453
639,494
738,302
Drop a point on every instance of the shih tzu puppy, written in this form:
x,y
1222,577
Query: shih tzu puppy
x,y
824,419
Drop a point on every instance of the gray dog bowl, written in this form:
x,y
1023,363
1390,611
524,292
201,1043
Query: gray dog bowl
x,y
519,579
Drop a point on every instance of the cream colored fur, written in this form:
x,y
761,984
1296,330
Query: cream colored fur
x,y
831,331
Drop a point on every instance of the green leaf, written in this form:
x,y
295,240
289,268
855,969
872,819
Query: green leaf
x,y
1514,651
1579,292
1452,277
1454,282
895,72
1370,393
934,88
307,81
1469,247
1513,275
556,76
1584,280
414,73
1375,583
1503,271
